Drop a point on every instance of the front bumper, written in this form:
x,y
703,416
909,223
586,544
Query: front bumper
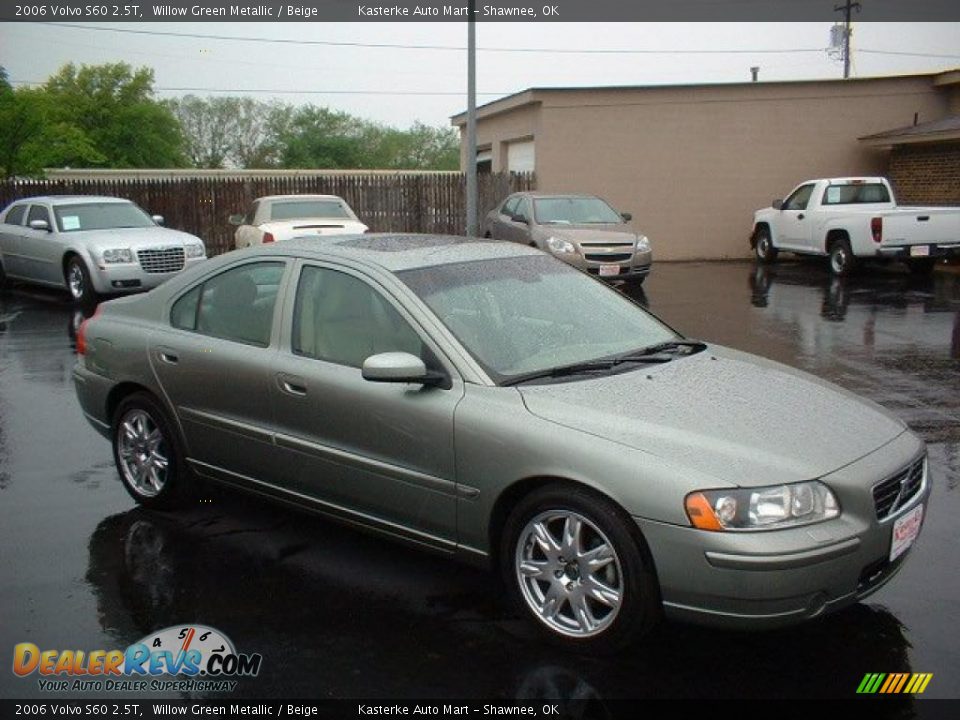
x,y
755,580
629,265
131,277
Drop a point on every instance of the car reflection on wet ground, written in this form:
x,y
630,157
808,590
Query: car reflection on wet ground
x,y
336,613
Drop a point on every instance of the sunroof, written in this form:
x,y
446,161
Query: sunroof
x,y
399,243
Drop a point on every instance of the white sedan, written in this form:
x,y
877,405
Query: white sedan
x,y
281,217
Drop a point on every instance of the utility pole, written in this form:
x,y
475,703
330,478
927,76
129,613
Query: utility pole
x,y
472,229
847,32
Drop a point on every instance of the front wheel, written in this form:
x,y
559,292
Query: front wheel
x,y
573,565
147,453
79,283
841,258
763,247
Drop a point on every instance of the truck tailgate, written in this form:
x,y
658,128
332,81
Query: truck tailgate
x,y
922,226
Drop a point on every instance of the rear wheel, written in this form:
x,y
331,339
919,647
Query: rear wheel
x,y
842,260
574,566
147,453
763,246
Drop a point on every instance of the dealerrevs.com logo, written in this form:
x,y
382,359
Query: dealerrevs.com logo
x,y
202,658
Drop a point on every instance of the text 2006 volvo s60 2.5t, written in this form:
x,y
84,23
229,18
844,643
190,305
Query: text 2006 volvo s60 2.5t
x,y
486,400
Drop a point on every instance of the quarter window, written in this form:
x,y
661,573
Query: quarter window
x,y
341,319
234,305
15,215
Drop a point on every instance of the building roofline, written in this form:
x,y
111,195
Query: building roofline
x,y
515,100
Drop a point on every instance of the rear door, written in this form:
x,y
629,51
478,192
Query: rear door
x,y
11,231
213,363
382,451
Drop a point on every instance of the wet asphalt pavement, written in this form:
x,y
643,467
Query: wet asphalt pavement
x,y
336,613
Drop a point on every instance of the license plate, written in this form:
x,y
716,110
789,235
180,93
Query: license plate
x,y
905,531
608,270
919,250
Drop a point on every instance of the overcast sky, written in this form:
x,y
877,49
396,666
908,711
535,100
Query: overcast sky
x,y
307,73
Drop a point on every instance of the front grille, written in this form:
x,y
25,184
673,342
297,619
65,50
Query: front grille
x,y
896,491
166,260
593,244
608,257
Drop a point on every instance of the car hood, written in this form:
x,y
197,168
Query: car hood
x,y
582,233
305,227
133,238
739,418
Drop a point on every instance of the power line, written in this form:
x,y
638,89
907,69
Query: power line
x,y
459,48
295,92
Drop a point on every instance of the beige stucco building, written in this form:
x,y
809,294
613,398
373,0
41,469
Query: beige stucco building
x,y
693,162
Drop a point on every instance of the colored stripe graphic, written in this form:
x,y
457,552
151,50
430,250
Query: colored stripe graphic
x,y
894,683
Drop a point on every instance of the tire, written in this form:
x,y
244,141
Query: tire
x,y
79,285
841,258
3,278
763,246
921,267
553,590
147,453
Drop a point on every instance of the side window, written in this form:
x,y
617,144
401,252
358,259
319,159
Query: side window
x,y
523,208
799,198
15,215
234,305
38,212
510,206
343,320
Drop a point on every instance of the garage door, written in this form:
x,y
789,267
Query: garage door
x,y
520,156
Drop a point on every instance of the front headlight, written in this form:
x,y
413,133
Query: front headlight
x,y
643,242
561,246
117,255
769,508
196,250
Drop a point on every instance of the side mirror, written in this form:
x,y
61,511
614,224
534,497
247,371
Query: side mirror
x,y
236,219
399,367
158,219
777,204
40,225
627,217
520,218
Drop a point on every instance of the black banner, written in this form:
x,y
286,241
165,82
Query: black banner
x,y
483,10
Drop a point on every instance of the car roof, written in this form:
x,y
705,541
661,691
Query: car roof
x,y
396,252
71,199
534,194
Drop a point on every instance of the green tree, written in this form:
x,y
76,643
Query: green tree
x,y
113,105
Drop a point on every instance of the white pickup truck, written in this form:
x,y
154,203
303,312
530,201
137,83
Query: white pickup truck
x,y
847,219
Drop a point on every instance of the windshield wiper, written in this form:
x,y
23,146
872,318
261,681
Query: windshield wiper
x,y
590,366
690,346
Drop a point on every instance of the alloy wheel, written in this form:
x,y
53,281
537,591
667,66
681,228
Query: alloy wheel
x,y
142,453
76,281
569,573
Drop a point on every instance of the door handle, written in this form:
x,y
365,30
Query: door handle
x,y
292,385
169,358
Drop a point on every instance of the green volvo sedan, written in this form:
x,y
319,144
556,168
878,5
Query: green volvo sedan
x,y
487,401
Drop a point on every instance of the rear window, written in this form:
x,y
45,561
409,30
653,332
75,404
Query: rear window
x,y
301,209
856,194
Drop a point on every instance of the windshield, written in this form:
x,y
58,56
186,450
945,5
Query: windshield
x,y
100,216
300,209
574,211
522,315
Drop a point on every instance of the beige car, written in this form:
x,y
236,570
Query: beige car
x,y
280,217
582,230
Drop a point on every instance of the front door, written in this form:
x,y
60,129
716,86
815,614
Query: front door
x,y
381,452
794,230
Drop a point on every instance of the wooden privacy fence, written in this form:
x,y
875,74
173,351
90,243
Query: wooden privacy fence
x,y
432,202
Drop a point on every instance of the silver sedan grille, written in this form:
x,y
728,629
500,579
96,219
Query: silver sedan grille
x,y
163,260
